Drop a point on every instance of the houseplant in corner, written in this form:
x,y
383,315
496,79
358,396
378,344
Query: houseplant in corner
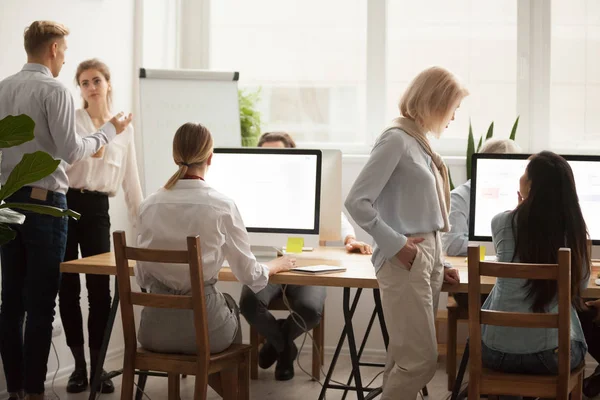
x,y
471,149
249,117
14,131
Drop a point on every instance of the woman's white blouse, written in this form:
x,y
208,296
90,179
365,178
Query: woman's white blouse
x,y
193,208
117,167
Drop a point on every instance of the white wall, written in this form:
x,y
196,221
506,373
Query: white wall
x,y
334,318
99,28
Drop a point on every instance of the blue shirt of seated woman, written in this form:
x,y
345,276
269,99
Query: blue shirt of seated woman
x,y
547,218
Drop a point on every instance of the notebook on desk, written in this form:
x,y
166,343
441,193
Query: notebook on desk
x,y
319,269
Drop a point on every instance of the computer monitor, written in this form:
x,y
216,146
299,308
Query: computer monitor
x,y
277,191
495,182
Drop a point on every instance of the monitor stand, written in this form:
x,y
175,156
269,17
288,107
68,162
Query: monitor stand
x,y
266,253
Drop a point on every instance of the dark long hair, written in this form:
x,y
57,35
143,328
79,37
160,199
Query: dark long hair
x,y
546,220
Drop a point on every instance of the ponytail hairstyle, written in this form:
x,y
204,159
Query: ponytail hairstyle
x,y
192,147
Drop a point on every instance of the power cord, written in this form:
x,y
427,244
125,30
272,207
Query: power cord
x,y
56,396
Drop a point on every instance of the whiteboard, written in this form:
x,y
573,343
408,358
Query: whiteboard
x,y
169,99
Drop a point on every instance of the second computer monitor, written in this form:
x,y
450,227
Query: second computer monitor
x,y
495,183
277,191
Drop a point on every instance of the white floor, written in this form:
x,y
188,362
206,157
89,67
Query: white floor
x,y
300,388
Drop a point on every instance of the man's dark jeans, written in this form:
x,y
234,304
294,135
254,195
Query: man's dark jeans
x,y
30,282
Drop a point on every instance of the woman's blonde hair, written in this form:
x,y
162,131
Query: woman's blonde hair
x,y
192,147
99,66
430,98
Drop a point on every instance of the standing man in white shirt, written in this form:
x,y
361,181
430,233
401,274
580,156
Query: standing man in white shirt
x,y
31,262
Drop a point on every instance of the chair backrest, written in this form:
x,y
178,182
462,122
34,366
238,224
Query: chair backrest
x,y
560,272
195,302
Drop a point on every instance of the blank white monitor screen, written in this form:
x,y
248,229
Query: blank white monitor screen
x,y
495,183
276,190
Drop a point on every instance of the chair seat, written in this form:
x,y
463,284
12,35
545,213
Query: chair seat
x,y
495,382
185,363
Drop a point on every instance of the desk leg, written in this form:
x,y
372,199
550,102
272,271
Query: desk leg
x,y
95,384
348,313
336,354
379,309
461,373
362,348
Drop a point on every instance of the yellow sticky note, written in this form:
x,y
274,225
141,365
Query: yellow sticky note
x,y
294,245
481,253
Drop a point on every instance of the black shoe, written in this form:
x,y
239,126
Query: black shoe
x,y
284,370
267,356
107,385
78,381
591,386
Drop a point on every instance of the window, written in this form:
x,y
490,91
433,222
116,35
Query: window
x,y
160,34
332,72
307,57
575,76
474,39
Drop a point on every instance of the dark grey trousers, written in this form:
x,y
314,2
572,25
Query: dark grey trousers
x,y
307,301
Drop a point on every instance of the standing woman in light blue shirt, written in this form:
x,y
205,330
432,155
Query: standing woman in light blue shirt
x,y
401,198
547,218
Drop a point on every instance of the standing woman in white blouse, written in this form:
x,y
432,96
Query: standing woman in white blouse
x,y
402,198
91,182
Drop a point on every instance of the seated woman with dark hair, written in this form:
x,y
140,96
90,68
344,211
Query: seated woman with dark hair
x,y
547,218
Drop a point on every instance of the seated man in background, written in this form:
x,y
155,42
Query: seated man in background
x,y
456,241
306,301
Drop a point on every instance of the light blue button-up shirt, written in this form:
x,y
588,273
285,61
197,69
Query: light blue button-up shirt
x,y
35,92
395,194
510,295
456,242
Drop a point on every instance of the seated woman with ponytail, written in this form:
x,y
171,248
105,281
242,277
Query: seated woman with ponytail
x,y
188,206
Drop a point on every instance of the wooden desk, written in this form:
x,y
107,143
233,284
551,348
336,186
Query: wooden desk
x,y
359,272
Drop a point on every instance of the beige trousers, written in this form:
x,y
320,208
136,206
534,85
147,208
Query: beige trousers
x,y
410,301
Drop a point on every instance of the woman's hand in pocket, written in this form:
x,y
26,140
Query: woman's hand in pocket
x,y
407,254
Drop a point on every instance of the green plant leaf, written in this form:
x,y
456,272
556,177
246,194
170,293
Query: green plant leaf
x,y
15,130
490,131
30,169
513,132
450,179
479,144
41,209
470,150
249,117
6,234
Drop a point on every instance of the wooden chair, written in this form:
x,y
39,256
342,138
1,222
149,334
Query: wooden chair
x,y
491,382
455,314
318,335
226,372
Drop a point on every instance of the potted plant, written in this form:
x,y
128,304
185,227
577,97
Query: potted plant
x,y
14,131
249,117
471,145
